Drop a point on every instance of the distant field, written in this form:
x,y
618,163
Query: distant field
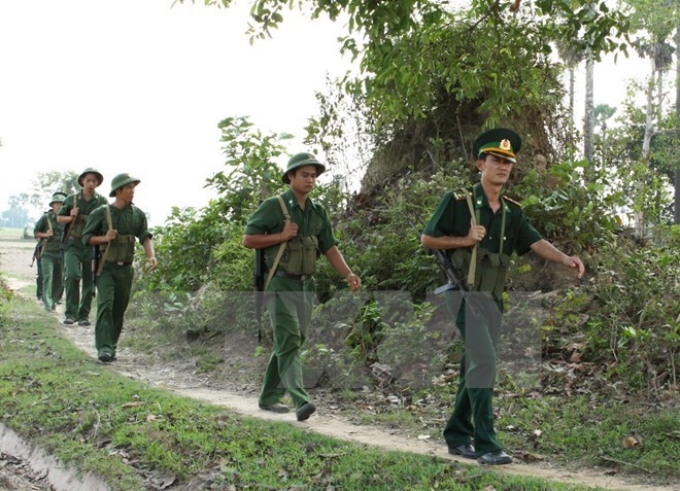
x,y
13,234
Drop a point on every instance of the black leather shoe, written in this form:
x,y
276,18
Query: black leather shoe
x,y
68,321
305,411
495,458
275,408
466,451
105,358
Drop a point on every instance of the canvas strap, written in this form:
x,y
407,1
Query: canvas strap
x,y
473,259
475,219
109,222
279,253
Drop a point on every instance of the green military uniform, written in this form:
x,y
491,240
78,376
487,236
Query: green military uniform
x,y
508,231
114,285
290,294
50,256
78,256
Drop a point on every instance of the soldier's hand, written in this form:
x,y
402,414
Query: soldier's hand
x,y
576,263
111,235
153,263
476,233
289,231
353,281
49,233
74,212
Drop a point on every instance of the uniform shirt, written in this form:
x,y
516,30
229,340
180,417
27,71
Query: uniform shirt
x,y
54,242
312,221
128,221
84,207
452,218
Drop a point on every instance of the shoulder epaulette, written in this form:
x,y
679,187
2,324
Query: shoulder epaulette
x,y
461,193
512,201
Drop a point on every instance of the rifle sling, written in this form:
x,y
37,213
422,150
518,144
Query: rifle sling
x,y
109,222
279,253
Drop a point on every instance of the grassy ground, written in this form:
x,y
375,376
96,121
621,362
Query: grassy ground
x,y
136,437
12,234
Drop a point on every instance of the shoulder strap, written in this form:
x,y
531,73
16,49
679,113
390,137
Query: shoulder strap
x,y
109,222
473,259
49,222
279,253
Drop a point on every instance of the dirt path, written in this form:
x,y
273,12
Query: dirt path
x,y
179,380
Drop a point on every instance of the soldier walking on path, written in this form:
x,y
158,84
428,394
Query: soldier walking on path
x,y
78,256
294,231
113,228
479,229
48,231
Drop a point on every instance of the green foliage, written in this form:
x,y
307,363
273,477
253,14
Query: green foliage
x,y
199,246
574,204
405,45
633,317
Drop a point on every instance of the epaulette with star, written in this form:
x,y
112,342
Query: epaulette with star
x,y
461,194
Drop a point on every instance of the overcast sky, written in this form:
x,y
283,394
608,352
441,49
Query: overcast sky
x,y
139,86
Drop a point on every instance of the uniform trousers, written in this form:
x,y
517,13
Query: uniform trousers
x,y
289,303
114,288
77,273
472,420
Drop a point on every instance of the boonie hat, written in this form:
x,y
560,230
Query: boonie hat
x,y
90,170
500,142
58,197
300,160
121,180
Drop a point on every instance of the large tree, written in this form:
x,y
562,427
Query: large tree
x,y
394,75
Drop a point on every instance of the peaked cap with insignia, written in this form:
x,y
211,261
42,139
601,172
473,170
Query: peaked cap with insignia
x,y
500,142
300,160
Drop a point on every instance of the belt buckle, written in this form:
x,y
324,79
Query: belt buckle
x,y
120,263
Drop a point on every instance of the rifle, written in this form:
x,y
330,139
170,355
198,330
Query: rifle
x,y
452,276
258,284
36,253
96,257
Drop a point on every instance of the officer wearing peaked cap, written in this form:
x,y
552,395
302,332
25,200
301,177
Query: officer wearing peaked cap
x,y
77,256
480,229
294,231
48,231
114,228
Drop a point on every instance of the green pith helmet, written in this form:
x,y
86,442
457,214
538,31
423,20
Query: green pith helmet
x,y
121,180
300,160
90,170
58,197
500,142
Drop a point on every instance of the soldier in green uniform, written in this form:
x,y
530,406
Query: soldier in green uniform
x,y
77,256
114,228
480,229
48,231
294,231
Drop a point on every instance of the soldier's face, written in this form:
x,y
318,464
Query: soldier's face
x,y
304,179
495,170
127,192
90,182
56,207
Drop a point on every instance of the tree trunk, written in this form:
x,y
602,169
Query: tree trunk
x,y
589,118
676,215
572,89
